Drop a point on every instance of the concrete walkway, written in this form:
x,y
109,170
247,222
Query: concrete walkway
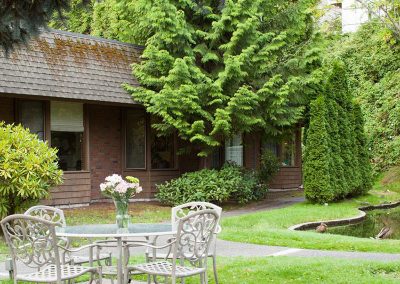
x,y
274,200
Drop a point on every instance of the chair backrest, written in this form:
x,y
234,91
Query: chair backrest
x,y
180,211
193,237
32,241
48,213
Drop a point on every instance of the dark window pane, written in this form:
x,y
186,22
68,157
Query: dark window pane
x,y
287,152
162,151
31,115
135,139
69,145
284,150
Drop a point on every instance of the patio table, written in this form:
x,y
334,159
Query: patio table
x,y
111,231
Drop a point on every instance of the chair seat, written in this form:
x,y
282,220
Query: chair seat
x,y
164,268
170,256
78,260
49,273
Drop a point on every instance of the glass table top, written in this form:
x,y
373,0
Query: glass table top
x,y
111,230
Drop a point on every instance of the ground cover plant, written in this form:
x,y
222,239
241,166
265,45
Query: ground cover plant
x,y
271,227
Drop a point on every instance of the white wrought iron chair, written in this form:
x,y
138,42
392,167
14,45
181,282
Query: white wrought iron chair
x,y
33,242
180,211
56,215
189,248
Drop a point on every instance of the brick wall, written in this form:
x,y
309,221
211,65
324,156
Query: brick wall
x,y
6,109
105,144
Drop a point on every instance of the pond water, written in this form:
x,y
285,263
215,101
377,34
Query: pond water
x,y
372,225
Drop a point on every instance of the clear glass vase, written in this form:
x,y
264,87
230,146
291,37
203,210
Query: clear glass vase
x,y
122,213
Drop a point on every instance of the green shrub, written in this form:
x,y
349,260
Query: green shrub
x,y
336,160
317,179
28,169
269,166
230,183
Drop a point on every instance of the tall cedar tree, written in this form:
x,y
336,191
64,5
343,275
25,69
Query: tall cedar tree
x,y
215,68
19,20
317,161
336,160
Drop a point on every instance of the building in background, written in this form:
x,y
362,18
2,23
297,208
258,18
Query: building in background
x,y
353,15
344,15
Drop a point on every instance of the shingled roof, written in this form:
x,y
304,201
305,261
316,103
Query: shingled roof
x,y
68,65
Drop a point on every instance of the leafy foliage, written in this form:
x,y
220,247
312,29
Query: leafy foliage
x,y
230,183
386,11
19,20
269,166
336,159
77,18
372,57
28,169
121,20
212,68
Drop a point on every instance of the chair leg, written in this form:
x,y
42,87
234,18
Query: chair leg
x,y
148,279
202,278
214,257
100,274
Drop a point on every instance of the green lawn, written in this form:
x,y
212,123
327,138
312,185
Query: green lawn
x,y
270,227
301,270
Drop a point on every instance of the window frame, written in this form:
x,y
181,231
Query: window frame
x,y
175,149
45,115
175,146
279,142
85,150
125,160
224,160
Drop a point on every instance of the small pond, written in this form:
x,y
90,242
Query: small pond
x,y
372,225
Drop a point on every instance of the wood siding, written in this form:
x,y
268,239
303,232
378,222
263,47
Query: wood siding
x,y
75,189
287,178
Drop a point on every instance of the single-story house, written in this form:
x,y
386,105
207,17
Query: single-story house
x,y
66,88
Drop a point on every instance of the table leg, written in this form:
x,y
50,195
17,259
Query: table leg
x,y
120,275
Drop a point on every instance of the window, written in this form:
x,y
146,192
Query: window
x,y
234,150
67,134
135,143
162,151
284,149
31,115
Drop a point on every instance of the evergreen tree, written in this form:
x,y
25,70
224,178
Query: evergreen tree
x,y
363,153
122,20
336,163
337,166
19,20
78,17
214,68
318,182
